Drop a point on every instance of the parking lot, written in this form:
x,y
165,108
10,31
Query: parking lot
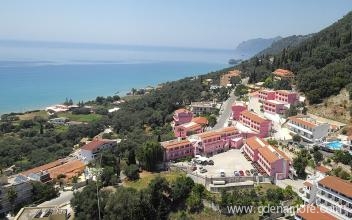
x,y
230,161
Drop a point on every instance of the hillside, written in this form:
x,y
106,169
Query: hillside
x,y
249,48
322,63
290,41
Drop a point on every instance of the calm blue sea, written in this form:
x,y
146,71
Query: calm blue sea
x,y
33,78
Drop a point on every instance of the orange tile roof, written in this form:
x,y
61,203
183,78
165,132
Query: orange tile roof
x,y
43,167
181,110
209,134
200,120
282,154
301,121
253,116
71,168
282,72
254,142
95,144
307,184
337,184
174,143
310,212
232,73
268,154
227,129
322,169
191,126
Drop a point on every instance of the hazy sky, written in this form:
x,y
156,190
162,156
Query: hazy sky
x,y
186,23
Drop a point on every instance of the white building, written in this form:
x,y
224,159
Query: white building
x,y
89,151
21,185
331,194
199,108
308,128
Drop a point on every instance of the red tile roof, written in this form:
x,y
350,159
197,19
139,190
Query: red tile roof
x,y
254,142
337,184
307,184
284,73
43,167
310,212
95,144
174,143
200,120
268,154
209,134
322,169
301,121
254,117
181,110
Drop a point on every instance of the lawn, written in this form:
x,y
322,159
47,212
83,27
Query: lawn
x,y
146,177
80,118
30,116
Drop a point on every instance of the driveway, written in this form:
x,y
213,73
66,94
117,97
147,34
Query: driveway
x,y
225,112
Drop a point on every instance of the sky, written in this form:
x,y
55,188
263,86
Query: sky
x,y
176,23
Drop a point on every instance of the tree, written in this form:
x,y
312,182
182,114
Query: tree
x,y
300,163
150,154
292,111
296,138
107,176
131,157
159,191
318,156
43,192
181,188
12,196
132,172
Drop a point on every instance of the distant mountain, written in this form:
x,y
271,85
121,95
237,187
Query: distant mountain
x,y
290,41
251,47
322,63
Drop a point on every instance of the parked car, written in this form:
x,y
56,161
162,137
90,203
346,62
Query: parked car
x,y
222,174
210,162
253,171
203,170
241,172
248,173
236,173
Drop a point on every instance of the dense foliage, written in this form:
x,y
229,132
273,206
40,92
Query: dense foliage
x,y
322,63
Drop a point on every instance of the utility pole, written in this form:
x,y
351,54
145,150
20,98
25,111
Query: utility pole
x,y
98,174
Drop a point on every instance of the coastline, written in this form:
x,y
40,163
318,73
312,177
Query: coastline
x,y
42,86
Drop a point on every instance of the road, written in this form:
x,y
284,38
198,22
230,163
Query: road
x,y
64,197
225,112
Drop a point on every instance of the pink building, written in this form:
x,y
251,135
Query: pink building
x,y
266,95
251,147
187,129
177,148
182,116
237,108
274,162
213,142
286,96
274,107
255,123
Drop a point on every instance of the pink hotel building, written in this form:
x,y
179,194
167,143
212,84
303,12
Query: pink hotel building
x,y
256,123
275,101
182,116
206,143
273,161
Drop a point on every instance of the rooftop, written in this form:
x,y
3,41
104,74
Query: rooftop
x,y
283,72
310,212
203,104
254,142
174,143
232,73
272,154
191,125
286,92
322,169
95,144
304,120
182,110
338,185
273,102
29,213
209,134
200,120
253,116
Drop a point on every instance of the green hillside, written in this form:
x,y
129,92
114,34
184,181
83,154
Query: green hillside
x,y
322,63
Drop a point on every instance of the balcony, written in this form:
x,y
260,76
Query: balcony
x,y
333,202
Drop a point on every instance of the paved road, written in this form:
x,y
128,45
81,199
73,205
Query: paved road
x,y
225,112
64,197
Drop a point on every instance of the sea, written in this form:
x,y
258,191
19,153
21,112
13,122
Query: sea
x,y
36,76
